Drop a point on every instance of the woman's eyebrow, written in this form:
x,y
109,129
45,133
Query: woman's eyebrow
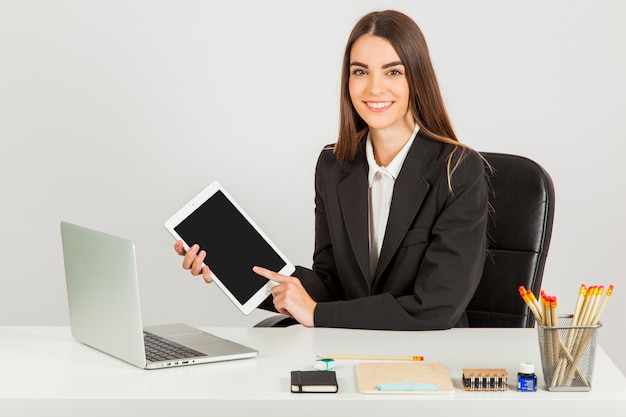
x,y
358,64
389,65
392,64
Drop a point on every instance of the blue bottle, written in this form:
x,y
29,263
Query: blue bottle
x,y
526,378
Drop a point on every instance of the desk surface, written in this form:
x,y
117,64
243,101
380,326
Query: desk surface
x,y
45,369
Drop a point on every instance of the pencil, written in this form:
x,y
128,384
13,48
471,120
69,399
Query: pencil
x,y
533,300
545,301
579,303
372,357
553,306
531,305
571,338
596,319
587,306
555,322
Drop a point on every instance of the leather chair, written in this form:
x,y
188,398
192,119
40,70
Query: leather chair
x,y
521,199
519,233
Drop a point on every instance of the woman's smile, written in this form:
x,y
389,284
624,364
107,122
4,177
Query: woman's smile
x,y
378,106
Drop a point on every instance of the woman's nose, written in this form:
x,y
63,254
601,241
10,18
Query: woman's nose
x,y
376,84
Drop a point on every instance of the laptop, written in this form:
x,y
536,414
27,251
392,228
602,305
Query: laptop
x,y
103,298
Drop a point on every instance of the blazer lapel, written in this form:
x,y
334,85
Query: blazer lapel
x,y
353,200
409,192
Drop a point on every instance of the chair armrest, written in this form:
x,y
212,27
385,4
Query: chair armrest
x,y
279,320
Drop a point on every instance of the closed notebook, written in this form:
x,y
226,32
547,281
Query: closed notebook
x,y
313,381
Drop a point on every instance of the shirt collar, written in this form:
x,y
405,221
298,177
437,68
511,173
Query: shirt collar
x,y
396,164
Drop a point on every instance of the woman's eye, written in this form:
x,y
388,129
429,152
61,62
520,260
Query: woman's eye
x,y
358,72
395,72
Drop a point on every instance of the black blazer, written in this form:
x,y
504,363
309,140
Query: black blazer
x,y
432,255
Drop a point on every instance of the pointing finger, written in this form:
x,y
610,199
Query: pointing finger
x,y
271,275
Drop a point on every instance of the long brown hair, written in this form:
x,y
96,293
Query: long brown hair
x,y
426,102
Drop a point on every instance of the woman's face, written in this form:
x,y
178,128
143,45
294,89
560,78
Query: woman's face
x,y
378,85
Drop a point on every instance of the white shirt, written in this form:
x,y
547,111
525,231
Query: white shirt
x,y
381,181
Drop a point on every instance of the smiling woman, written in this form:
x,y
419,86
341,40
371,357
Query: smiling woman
x,y
399,240
380,93
399,44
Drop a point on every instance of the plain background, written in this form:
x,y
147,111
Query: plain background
x,y
115,113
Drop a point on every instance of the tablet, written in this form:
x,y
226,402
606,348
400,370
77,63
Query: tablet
x,y
233,245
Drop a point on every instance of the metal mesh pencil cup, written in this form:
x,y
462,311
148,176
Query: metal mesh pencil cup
x,y
567,354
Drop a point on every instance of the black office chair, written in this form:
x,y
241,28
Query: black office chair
x,y
519,231
520,227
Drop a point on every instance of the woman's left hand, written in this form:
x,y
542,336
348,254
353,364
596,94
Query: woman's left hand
x,y
290,297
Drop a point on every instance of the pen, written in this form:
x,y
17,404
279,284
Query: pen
x,y
373,357
407,386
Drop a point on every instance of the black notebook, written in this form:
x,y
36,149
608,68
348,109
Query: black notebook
x,y
313,381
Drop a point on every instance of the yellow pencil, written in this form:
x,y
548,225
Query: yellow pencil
x,y
579,303
372,357
533,300
587,306
596,319
523,292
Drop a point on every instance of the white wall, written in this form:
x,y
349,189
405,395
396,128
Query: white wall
x,y
115,113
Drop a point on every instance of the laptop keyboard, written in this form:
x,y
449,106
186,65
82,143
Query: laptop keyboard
x,y
159,349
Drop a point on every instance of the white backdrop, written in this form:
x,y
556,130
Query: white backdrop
x,y
115,113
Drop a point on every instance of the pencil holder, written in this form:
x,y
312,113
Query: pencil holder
x,y
567,354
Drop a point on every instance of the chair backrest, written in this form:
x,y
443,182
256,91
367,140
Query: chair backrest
x,y
520,228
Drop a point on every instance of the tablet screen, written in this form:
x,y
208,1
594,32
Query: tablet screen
x,y
232,245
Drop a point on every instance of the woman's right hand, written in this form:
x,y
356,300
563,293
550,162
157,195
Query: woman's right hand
x,y
193,260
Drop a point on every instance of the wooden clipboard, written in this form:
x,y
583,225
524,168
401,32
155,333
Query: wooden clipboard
x,y
371,374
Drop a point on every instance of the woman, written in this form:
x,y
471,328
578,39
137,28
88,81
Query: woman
x,y
400,204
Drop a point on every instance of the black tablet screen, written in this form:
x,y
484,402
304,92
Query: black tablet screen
x,y
232,245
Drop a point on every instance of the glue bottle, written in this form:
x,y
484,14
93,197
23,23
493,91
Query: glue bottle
x,y
526,378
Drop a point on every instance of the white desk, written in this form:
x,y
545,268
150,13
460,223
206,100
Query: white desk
x,y
45,372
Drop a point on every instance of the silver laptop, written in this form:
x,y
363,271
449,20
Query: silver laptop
x,y
103,296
